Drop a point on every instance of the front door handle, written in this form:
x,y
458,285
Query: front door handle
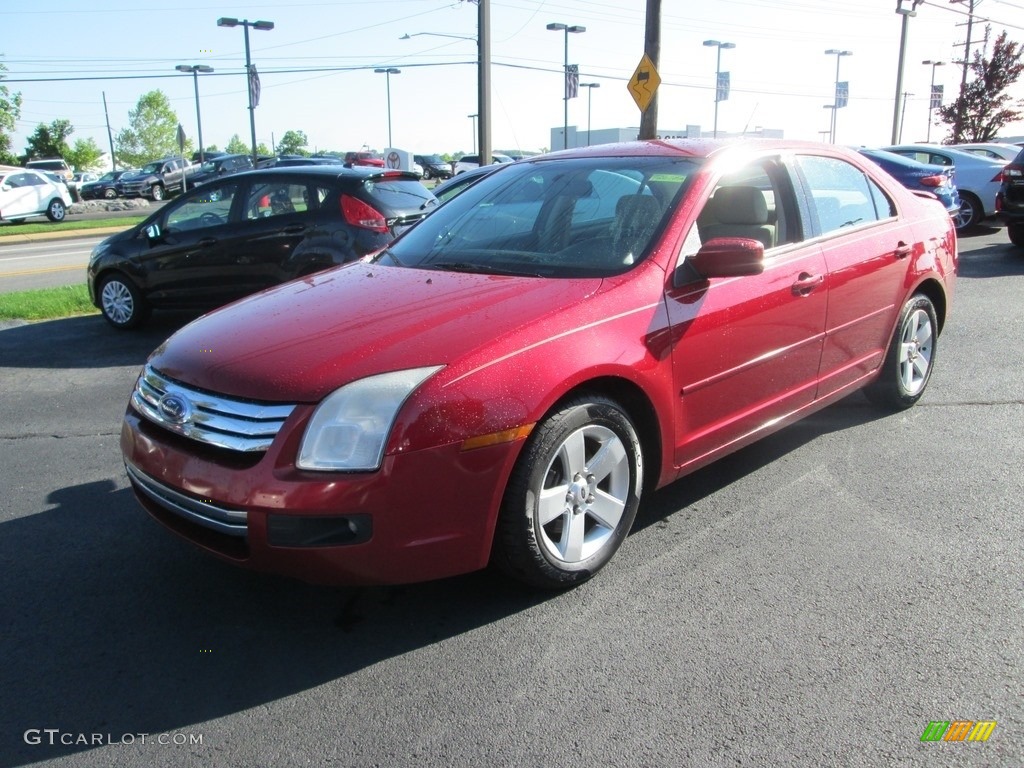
x,y
902,250
206,242
807,283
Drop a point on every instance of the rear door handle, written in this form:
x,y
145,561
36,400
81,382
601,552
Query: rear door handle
x,y
807,283
294,229
206,242
902,250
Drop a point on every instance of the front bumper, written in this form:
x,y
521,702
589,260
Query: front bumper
x,y
423,515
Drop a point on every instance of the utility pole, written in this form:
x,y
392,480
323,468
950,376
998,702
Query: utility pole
x,y
652,47
110,136
967,42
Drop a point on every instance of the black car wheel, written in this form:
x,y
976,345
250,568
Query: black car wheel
x,y
1016,234
572,496
110,194
121,302
157,192
56,210
910,358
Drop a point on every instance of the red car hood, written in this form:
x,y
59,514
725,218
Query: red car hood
x,y
302,340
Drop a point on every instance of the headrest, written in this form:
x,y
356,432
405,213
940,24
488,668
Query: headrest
x,y
638,206
740,205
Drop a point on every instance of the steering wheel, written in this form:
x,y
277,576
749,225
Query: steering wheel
x,y
209,219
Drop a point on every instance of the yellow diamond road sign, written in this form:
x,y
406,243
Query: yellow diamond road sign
x,y
644,83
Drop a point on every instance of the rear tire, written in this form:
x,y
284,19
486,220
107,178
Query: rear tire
x,y
971,212
1016,234
56,210
110,194
121,303
909,361
572,496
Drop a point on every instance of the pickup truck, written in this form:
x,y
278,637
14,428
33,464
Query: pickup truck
x,y
156,180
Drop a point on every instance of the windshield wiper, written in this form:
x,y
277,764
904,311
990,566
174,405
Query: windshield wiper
x,y
482,269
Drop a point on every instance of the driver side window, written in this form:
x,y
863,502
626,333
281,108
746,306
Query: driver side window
x,y
209,206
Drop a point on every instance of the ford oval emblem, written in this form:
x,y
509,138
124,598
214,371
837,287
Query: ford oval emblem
x,y
175,408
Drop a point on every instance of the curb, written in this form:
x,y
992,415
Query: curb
x,y
64,234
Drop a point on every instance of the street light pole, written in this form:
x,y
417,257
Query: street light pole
x,y
251,77
388,72
575,29
590,94
195,69
931,96
835,103
718,76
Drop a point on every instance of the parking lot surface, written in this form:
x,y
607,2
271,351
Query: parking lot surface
x,y
816,599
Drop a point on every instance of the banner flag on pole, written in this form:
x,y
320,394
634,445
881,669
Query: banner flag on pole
x,y
254,86
842,93
722,92
572,81
936,101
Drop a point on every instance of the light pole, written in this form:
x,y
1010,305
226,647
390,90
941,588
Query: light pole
x,y
388,72
931,96
251,76
473,118
718,75
835,104
195,69
575,29
590,94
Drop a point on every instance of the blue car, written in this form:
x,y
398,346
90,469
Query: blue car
x,y
937,179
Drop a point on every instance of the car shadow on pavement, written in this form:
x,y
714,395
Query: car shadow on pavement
x,y
852,411
84,342
112,626
998,260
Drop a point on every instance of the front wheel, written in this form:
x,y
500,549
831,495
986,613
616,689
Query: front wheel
x,y
121,303
56,210
156,192
910,358
572,496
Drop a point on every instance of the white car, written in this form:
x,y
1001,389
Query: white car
x,y
992,149
25,193
977,178
79,179
468,162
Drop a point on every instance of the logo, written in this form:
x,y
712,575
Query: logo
x,y
175,408
958,730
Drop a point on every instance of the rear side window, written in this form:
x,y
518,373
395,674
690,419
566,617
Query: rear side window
x,y
400,195
841,194
276,198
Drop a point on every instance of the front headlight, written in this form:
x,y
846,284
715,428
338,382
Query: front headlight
x,y
350,427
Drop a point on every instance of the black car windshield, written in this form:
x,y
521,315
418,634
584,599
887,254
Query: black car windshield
x,y
583,217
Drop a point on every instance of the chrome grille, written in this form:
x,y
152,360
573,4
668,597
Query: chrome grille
x,y
238,425
230,521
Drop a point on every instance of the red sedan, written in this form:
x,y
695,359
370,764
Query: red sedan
x,y
504,383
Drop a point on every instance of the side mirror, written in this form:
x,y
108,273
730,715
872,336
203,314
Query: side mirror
x,y
153,232
729,257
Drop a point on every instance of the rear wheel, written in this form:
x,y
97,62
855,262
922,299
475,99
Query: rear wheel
x,y
110,194
572,496
971,212
1016,233
56,210
910,358
121,302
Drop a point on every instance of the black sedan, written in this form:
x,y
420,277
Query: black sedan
x,y
249,231
102,188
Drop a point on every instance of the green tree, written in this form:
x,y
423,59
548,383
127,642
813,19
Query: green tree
x,y
152,132
293,143
85,155
50,140
10,111
237,147
984,107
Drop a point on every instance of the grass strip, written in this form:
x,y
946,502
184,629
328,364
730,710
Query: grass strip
x,y
10,229
46,303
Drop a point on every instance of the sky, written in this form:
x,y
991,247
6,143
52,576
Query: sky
x,y
317,67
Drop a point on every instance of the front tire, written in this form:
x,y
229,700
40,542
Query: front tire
x,y
572,496
121,303
56,210
910,358
157,192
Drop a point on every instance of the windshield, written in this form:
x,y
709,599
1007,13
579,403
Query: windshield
x,y
552,218
152,167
